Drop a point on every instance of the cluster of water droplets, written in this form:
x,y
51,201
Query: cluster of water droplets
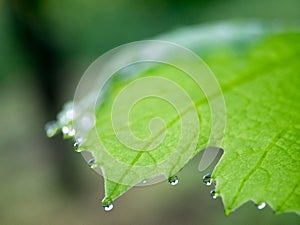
x,y
261,205
63,123
107,203
208,180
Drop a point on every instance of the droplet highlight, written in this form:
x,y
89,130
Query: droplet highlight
x,y
207,180
214,194
91,162
68,132
173,180
107,204
65,130
261,205
77,143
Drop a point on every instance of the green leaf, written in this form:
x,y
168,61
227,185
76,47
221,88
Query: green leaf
x,y
160,149
260,79
257,66
262,146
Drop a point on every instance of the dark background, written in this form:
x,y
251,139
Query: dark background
x,y
45,47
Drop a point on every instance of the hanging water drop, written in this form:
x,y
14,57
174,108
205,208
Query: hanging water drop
x,y
108,207
214,194
107,204
78,142
76,145
207,179
144,181
68,132
65,130
173,180
261,205
91,162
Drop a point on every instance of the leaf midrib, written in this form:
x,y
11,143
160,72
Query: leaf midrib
x,y
253,75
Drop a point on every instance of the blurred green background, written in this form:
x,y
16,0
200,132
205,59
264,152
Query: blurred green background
x,y
45,47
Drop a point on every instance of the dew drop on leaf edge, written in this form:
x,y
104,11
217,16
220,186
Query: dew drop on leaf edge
x,y
173,180
65,129
261,205
107,204
108,207
207,179
68,132
214,194
91,162
76,145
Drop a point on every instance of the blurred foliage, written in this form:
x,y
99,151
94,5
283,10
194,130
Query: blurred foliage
x,y
85,29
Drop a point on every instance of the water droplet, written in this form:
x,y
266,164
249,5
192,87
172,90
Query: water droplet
x,y
107,204
261,205
214,194
65,130
91,162
207,179
109,207
51,128
76,145
78,142
173,180
68,131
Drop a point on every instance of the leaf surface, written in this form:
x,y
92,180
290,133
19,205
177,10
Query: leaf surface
x,y
260,77
262,147
258,69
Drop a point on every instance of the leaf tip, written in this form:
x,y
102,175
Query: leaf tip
x,y
114,190
227,212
